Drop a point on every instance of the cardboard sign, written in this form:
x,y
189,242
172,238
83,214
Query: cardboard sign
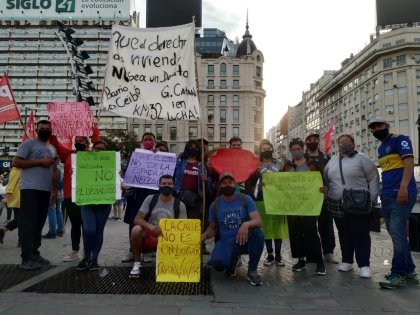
x,y
241,163
145,168
274,226
151,73
293,193
70,118
95,177
178,252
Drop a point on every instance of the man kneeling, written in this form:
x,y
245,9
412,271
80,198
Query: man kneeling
x,y
238,222
144,235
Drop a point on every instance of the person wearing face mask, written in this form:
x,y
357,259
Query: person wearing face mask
x,y
325,220
38,187
359,173
303,230
398,196
238,222
146,224
70,209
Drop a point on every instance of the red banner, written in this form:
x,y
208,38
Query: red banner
x,y
30,131
328,138
241,163
8,108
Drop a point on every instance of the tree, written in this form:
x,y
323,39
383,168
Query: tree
x,y
122,141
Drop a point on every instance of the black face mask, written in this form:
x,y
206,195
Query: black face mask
x,y
266,154
312,146
44,134
166,190
193,153
80,146
227,190
381,134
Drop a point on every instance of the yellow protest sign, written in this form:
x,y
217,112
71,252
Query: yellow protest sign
x,y
178,252
293,193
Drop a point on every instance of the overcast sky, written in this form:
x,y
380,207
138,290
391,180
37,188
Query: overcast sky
x,y
298,38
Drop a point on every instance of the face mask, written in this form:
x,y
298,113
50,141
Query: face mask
x,y
381,134
80,146
346,149
44,134
266,154
297,155
193,152
227,190
148,144
166,190
312,146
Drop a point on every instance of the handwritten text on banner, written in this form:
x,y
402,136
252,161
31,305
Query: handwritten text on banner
x,y
151,73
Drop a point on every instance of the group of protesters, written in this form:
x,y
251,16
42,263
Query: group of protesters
x,y
232,212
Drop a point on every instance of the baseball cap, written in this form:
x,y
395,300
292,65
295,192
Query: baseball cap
x,y
380,120
226,174
311,133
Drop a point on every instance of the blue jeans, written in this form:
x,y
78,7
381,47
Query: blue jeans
x,y
396,218
227,250
55,217
94,218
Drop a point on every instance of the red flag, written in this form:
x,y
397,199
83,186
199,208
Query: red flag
x,y
30,131
8,108
328,138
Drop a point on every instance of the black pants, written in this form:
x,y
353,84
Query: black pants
x,y
304,238
277,246
14,223
74,214
326,231
354,236
33,213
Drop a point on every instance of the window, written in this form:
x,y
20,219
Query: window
x,y
210,133
401,60
223,84
173,133
387,77
193,132
210,100
257,101
136,130
402,90
401,74
403,106
210,84
258,71
235,132
236,115
257,117
210,70
389,109
375,68
222,133
257,134
235,100
172,148
223,116
417,74
210,115
235,84
403,122
159,132
389,92
235,70
136,120
147,129
223,100
222,69
387,62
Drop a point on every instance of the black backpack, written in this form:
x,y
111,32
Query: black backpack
x,y
153,203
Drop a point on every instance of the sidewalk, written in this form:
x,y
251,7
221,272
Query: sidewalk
x,y
283,292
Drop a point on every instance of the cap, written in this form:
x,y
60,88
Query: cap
x,y
380,120
311,133
226,174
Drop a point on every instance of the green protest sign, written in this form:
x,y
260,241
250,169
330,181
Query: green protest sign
x,y
95,179
274,226
293,193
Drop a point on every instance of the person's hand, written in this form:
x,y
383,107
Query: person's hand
x,y
323,189
203,237
402,196
155,229
242,236
46,162
121,173
53,199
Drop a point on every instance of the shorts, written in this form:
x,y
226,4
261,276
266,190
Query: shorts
x,y
150,242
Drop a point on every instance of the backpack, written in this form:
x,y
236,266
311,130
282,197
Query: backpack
x,y
153,203
217,201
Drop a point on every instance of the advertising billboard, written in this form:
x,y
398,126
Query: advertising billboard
x,y
162,13
392,12
64,9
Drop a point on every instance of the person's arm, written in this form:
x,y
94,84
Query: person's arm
x,y
95,134
23,163
372,177
402,196
139,220
209,233
62,151
53,198
255,222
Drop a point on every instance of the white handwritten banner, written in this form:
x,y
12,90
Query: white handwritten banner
x,y
70,118
151,73
145,168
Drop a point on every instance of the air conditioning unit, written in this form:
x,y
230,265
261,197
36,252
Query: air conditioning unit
x,y
390,111
385,81
395,86
413,57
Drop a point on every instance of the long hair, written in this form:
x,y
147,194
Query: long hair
x,y
188,145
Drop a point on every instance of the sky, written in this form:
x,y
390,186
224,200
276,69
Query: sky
x,y
298,38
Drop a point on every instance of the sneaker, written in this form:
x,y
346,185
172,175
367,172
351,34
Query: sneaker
x,y
279,261
299,266
231,271
83,264
365,272
30,265
254,278
411,278
43,261
73,256
60,233
269,260
49,235
330,258
393,282
345,267
2,232
94,265
320,269
128,258
135,272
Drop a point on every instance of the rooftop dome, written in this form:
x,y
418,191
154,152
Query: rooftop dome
x,y
247,46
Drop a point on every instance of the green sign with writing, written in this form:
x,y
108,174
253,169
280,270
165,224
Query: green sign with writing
x,y
293,193
96,178
274,226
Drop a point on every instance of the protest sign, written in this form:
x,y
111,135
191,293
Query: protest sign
x,y
241,163
151,73
70,118
293,193
145,168
274,226
95,177
178,252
